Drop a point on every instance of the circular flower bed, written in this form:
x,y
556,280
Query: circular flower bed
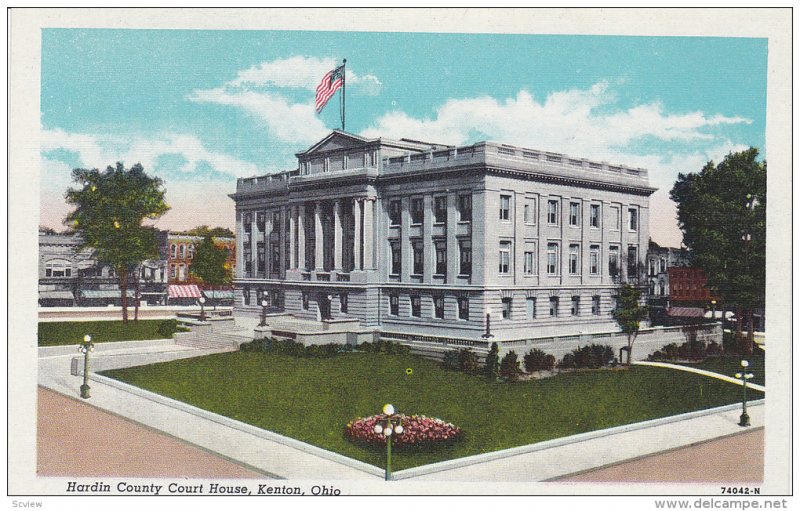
x,y
418,430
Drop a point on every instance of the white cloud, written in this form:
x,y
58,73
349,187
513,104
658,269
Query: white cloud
x,y
300,72
99,151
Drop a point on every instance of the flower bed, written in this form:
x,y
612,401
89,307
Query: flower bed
x,y
418,430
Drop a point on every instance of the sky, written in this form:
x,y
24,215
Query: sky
x,y
199,108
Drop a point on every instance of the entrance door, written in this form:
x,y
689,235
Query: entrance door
x,y
324,302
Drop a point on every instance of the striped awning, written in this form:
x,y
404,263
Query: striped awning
x,y
56,295
184,291
685,312
104,293
218,294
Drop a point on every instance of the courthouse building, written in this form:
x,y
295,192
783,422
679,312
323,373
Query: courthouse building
x,y
417,238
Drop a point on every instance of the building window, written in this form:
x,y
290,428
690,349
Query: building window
x,y
574,257
552,212
633,219
182,251
505,258
417,212
663,265
276,221
181,272
261,221
343,302
552,258
652,288
395,208
596,305
594,216
505,207
574,209
575,305
394,247
173,271
530,307
594,259
416,306
465,257
651,265
662,288
506,308
58,268
438,306
275,255
261,255
465,208
191,251
615,216
553,306
248,221
418,255
633,262
463,307
173,251
304,298
529,212
394,305
440,210
440,246
613,261
528,263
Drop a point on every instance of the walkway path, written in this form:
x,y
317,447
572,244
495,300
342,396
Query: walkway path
x,y
711,374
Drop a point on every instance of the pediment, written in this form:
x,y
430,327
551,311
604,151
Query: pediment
x,y
337,140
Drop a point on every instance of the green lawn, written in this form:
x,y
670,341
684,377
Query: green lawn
x,y
729,366
313,399
72,332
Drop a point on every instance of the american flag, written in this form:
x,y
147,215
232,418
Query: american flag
x,y
330,83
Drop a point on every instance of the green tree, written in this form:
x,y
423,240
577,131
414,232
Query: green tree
x,y
215,232
509,367
209,263
722,213
492,367
109,210
629,313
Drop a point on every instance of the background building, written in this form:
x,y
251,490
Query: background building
x,y
427,239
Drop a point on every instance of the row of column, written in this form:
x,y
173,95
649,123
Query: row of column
x,y
363,237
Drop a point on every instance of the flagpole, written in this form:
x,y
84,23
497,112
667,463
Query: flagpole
x,y
344,88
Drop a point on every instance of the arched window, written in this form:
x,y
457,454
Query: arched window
x,y
58,268
182,251
173,251
662,288
191,250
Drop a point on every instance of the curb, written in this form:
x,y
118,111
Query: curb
x,y
240,426
702,372
558,442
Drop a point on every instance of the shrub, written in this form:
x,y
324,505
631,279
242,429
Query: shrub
x,y
492,367
593,356
538,360
467,361
322,350
418,431
388,347
168,327
693,350
293,348
450,360
509,367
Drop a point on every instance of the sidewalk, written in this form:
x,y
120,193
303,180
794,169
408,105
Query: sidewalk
x,y
286,458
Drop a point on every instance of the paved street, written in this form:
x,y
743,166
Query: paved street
x,y
115,447
716,461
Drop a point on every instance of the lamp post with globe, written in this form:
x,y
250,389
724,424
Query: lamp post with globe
x,y
202,301
393,425
264,305
744,419
86,347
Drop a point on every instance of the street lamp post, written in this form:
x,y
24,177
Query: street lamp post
x,y
264,305
744,419
86,348
488,333
394,425
713,311
202,301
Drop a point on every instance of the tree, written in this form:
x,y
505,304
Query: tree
x,y
628,314
109,210
509,367
215,232
722,213
209,263
492,367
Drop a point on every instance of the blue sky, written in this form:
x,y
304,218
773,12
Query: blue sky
x,y
199,108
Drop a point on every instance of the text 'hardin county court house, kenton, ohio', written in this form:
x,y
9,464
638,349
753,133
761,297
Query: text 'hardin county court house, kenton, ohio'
x,y
422,239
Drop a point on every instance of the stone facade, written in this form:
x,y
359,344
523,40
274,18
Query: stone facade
x,y
418,238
